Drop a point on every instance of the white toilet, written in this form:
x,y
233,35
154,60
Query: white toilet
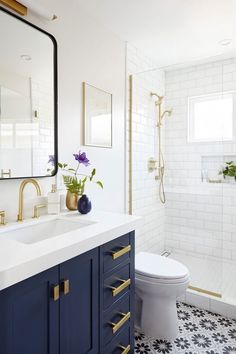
x,y
159,282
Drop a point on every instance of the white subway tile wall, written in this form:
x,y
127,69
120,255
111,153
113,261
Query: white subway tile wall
x,y
199,216
198,222
150,236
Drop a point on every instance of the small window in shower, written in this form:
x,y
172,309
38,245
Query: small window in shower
x,y
210,117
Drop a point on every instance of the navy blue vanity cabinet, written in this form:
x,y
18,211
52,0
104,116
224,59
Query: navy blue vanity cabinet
x,y
82,306
117,296
79,324
29,316
53,312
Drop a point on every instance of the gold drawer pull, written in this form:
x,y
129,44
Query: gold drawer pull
x,y
65,286
118,325
125,350
125,284
121,252
55,292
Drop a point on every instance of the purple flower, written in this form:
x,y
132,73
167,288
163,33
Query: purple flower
x,y
82,158
51,159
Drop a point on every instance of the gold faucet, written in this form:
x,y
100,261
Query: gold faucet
x,y
20,216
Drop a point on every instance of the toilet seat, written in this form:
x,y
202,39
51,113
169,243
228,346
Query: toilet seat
x,y
159,269
156,281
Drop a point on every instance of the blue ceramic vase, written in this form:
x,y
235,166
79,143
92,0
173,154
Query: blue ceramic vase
x,y
84,204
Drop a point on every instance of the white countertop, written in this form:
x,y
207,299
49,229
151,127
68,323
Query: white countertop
x,y
19,261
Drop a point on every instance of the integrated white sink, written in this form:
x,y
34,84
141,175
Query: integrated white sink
x,y
34,245
44,230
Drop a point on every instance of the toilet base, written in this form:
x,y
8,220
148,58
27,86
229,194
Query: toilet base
x,y
159,318
158,284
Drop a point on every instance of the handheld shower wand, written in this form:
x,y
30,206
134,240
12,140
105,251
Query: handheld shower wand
x,y
161,162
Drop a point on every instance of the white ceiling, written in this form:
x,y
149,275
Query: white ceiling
x,y
170,31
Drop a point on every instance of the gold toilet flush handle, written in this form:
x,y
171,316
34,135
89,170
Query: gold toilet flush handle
x,y
125,350
124,285
118,325
121,252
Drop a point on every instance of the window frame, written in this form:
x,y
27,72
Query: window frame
x,y
190,117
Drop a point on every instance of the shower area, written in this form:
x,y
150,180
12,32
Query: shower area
x,y
181,168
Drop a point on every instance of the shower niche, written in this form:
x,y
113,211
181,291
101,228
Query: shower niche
x,y
212,167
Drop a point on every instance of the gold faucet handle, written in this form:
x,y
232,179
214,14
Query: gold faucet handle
x,y
2,217
37,208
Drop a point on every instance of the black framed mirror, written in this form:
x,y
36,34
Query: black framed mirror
x,y
28,99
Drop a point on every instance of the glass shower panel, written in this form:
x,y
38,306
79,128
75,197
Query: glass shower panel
x,y
229,191
144,197
189,226
193,150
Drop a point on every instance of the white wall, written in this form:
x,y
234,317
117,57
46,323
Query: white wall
x,y
86,52
145,200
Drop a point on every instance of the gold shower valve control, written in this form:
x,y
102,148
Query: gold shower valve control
x,y
152,165
2,217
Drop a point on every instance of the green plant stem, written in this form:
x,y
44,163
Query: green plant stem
x,y
75,173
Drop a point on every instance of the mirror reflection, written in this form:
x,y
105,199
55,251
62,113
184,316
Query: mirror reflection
x,y
27,100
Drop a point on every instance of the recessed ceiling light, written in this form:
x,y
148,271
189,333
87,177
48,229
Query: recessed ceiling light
x,y
26,57
225,42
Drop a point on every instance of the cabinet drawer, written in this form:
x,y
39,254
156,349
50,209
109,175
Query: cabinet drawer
x,y
115,319
115,252
116,285
121,344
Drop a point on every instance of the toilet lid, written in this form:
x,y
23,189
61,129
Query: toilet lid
x,y
156,266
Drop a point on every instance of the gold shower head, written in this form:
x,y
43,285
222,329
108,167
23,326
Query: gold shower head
x,y
160,98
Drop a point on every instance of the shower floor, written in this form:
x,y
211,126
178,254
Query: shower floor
x,y
213,275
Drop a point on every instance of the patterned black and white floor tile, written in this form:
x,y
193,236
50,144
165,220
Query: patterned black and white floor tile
x,y
201,332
